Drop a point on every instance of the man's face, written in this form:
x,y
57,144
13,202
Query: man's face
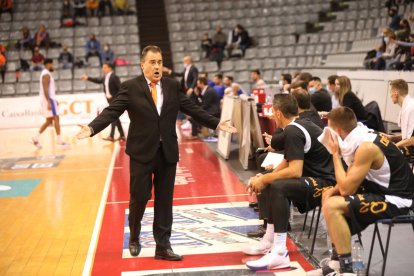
x,y
200,85
394,96
49,67
152,66
277,116
217,80
106,69
227,82
254,76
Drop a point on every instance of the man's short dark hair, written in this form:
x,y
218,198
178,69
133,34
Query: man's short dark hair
x,y
220,76
230,78
332,78
287,77
318,79
203,80
110,65
47,61
257,71
343,118
286,104
150,48
302,97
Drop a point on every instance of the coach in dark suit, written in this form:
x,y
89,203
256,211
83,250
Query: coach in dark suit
x,y
111,85
152,103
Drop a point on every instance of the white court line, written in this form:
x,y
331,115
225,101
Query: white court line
x,y
182,198
189,150
17,172
98,222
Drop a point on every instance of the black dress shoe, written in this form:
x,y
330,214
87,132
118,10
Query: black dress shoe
x,y
134,248
257,233
168,255
253,204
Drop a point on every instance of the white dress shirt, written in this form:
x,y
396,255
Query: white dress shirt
x,y
160,98
406,117
106,83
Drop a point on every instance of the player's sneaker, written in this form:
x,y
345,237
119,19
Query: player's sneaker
x,y
258,248
270,261
36,143
328,267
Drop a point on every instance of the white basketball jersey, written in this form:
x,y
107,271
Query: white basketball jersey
x,y
52,87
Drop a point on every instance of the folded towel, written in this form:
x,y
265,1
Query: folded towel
x,y
347,146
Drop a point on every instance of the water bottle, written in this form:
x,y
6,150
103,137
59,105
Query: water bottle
x,y
358,259
329,243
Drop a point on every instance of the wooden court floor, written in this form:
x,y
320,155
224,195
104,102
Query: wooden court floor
x,y
48,232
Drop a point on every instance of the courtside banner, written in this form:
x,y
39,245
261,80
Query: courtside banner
x,y
73,109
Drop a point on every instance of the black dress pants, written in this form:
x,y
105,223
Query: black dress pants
x,y
143,176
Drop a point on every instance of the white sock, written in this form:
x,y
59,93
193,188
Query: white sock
x,y
279,243
36,136
270,233
59,139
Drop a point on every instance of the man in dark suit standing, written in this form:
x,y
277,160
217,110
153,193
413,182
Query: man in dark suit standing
x,y
152,103
111,85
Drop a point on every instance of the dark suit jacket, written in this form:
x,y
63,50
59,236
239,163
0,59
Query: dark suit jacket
x,y
147,127
210,102
191,78
114,83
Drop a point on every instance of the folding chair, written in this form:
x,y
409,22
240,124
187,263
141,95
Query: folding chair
x,y
390,222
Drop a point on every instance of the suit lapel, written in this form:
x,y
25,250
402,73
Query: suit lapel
x,y
147,93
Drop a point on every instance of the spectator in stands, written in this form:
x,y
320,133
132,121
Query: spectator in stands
x,y
256,78
121,7
320,98
65,59
6,6
105,8
330,87
219,44
305,109
300,178
377,175
42,39
93,48
404,30
3,64
232,88
373,55
92,6
66,18
238,39
387,59
206,44
395,18
26,41
218,85
399,95
37,60
79,8
108,55
347,98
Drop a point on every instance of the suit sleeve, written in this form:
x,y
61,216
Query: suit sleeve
x,y
116,86
115,109
96,80
194,74
197,113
